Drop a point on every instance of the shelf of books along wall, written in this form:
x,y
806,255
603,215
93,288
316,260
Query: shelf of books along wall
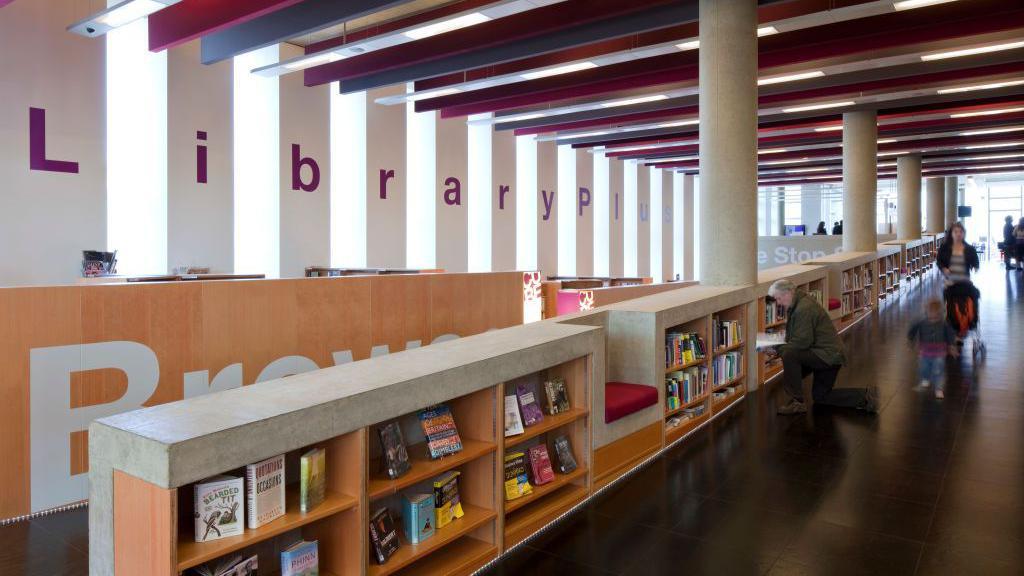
x,y
432,488
727,360
773,325
686,377
297,512
545,419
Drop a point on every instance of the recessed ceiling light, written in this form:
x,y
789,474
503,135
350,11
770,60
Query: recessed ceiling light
x,y
911,4
991,131
972,51
766,31
559,70
986,112
789,77
631,101
825,106
689,45
447,26
990,86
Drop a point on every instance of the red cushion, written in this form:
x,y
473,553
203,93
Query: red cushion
x,y
622,399
834,304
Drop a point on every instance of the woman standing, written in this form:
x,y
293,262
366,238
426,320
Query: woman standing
x,y
956,259
821,229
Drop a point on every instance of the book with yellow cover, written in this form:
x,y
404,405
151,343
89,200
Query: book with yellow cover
x,y
517,482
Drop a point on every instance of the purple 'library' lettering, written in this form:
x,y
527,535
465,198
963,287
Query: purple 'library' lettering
x,y
502,190
645,212
385,175
37,159
453,194
297,163
548,202
201,167
583,199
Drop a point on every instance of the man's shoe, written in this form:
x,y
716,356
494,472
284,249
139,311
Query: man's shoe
x,y
794,407
870,399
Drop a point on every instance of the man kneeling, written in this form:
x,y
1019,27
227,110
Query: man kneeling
x,y
813,346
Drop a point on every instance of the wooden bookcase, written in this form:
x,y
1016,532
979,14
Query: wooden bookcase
x,y
726,389
527,514
856,291
689,414
770,368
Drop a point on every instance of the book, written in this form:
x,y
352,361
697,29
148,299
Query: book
x,y
557,395
528,405
439,428
517,483
418,517
264,491
301,559
218,507
513,422
540,464
447,505
395,458
312,479
383,536
229,566
563,454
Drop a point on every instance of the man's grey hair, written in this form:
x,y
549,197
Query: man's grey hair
x,y
780,286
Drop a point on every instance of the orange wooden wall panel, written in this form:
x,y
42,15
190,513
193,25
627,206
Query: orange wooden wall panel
x,y
145,527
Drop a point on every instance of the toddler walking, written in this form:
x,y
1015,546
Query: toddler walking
x,y
935,338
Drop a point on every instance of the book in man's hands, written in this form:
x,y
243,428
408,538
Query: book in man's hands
x,y
563,454
557,395
218,507
528,405
395,459
383,535
312,479
264,491
439,428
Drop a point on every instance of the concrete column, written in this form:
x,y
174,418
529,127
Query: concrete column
x,y
810,207
936,215
728,141
908,197
688,222
951,187
860,180
780,212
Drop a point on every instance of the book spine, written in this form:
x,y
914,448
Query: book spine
x,y
250,496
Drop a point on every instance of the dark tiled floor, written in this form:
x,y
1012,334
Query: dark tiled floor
x,y
924,487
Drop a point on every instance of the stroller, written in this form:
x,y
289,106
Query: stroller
x,y
962,314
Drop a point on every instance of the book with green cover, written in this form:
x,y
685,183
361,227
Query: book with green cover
x,y
312,479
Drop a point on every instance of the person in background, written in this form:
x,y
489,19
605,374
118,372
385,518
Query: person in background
x,y
840,226
813,347
821,229
935,338
1018,234
957,258
1009,243
835,228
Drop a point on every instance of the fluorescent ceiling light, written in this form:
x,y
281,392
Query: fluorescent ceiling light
x,y
585,135
116,16
999,145
986,112
886,164
985,157
990,86
825,106
790,77
886,141
911,4
829,128
991,131
767,31
631,101
415,97
693,122
799,170
559,70
772,151
689,45
313,61
897,153
972,51
446,26
781,162
985,167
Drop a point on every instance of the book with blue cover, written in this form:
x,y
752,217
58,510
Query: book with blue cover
x,y
418,517
301,559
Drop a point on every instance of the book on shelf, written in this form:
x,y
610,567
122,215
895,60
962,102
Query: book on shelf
x,y
218,507
528,406
312,479
264,491
773,313
301,559
447,504
683,386
727,332
517,482
394,456
540,465
418,517
229,566
563,454
683,348
513,421
439,428
557,395
727,367
383,535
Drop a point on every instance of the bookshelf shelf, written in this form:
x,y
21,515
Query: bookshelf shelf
x,y
423,467
525,521
696,362
727,349
672,433
718,406
463,556
410,553
698,400
548,424
776,324
544,490
735,380
771,370
191,553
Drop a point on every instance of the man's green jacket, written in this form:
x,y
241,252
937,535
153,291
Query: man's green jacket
x,y
808,327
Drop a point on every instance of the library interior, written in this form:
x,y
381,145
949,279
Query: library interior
x,y
511,287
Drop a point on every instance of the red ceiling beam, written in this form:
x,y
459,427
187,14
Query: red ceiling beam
x,y
617,120
190,19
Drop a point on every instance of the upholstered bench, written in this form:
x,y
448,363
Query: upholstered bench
x,y
622,399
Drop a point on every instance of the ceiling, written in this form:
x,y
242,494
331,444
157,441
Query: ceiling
x,y
946,77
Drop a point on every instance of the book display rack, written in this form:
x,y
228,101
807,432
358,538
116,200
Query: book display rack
x,y
888,267
728,362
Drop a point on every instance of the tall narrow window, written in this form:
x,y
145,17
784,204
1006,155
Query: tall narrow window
x,y
421,210
566,210
136,84
678,249
348,179
602,213
257,161
629,219
656,223
480,187
526,203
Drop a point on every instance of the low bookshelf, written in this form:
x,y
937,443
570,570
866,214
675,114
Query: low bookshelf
x,y
857,291
728,370
525,514
687,373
